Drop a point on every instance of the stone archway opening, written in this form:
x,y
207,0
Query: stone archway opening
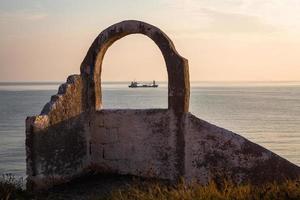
x,y
177,66
133,58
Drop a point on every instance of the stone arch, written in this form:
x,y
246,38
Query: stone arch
x,y
177,66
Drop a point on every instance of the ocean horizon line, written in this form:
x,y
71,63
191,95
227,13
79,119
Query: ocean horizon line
x,y
159,81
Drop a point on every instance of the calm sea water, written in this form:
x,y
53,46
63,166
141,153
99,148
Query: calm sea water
x,y
265,113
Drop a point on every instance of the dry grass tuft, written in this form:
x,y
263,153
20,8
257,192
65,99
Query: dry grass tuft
x,y
11,188
212,191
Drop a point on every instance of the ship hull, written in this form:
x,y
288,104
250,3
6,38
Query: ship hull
x,y
142,86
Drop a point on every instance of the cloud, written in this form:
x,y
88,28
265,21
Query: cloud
x,y
235,23
21,16
217,17
212,23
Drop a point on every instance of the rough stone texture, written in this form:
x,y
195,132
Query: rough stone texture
x,y
213,153
138,142
72,135
56,143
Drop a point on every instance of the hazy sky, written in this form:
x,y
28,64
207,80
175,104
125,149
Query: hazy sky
x,y
224,40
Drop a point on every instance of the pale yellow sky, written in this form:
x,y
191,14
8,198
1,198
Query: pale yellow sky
x,y
224,40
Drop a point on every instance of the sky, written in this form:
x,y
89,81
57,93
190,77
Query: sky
x,y
224,40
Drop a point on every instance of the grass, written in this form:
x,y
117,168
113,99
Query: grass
x,y
11,188
212,191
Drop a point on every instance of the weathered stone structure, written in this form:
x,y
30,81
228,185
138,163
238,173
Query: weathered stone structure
x,y
74,135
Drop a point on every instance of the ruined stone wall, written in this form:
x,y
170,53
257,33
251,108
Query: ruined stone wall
x,y
214,153
56,142
65,140
145,143
72,135
137,142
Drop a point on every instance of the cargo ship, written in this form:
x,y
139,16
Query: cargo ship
x,y
135,84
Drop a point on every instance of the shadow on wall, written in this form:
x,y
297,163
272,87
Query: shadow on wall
x,y
55,152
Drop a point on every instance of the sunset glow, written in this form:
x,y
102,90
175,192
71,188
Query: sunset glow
x,y
224,40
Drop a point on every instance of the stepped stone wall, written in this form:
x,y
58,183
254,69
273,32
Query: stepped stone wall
x,y
73,135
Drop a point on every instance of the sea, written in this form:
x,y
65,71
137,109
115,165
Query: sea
x,y
267,113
